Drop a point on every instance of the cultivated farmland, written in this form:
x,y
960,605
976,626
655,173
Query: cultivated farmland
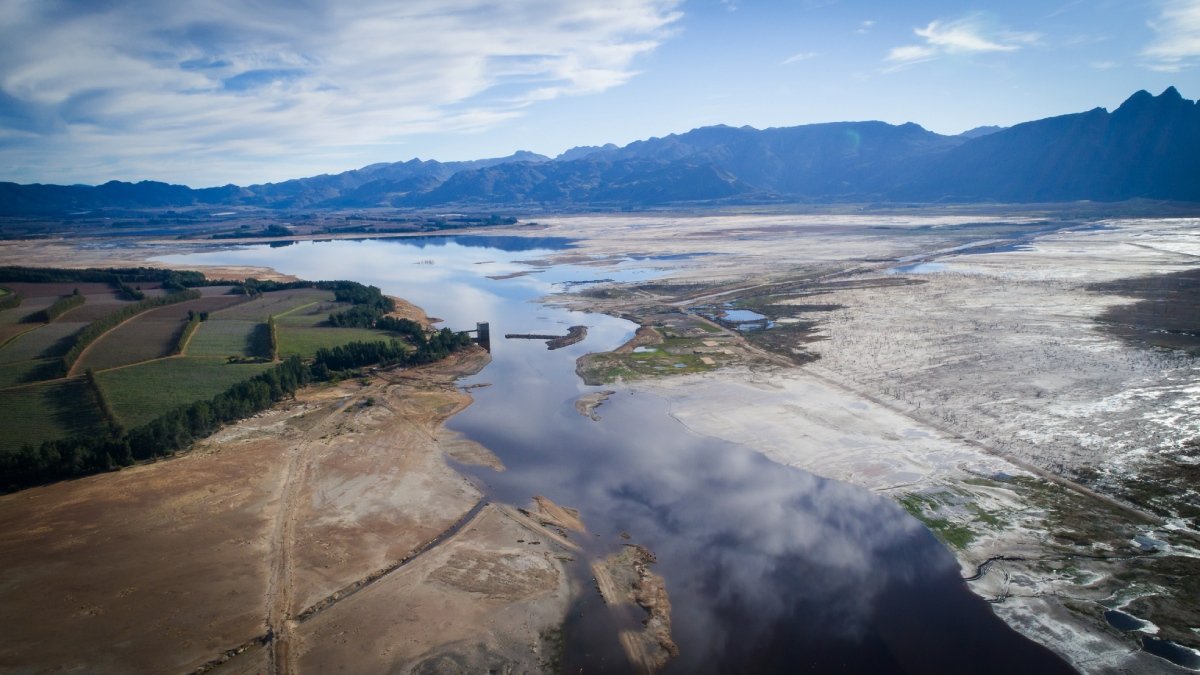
x,y
36,355
47,411
219,337
277,302
136,363
301,331
139,393
150,335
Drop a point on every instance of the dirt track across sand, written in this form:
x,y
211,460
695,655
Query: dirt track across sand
x,y
208,562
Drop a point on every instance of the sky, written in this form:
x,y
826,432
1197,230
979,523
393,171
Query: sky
x,y
210,92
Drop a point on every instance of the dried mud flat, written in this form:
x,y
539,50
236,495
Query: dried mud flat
x,y
327,531
982,392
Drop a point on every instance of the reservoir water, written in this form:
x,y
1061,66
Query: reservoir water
x,y
768,568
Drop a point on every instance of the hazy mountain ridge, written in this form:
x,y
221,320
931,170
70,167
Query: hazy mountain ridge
x,y
1149,147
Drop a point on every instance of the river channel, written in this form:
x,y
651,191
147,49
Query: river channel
x,y
768,568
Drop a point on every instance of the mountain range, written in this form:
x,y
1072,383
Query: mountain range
x,y
1149,147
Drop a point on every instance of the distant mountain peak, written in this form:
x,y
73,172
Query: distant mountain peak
x,y
526,156
582,151
981,131
1144,100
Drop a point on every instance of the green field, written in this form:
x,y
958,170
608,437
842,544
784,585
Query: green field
x,y
306,340
139,379
45,341
220,337
278,302
301,331
12,320
139,393
48,411
25,372
35,355
150,335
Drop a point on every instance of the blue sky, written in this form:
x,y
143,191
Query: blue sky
x,y
215,91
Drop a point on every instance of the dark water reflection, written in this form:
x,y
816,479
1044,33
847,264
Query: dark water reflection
x,y
769,569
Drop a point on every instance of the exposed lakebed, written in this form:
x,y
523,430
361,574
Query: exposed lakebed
x,y
768,568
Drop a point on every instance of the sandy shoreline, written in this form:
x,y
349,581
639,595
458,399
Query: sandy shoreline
x,y
253,538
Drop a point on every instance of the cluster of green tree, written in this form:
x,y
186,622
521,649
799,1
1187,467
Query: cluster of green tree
x,y
102,325
273,230
57,309
165,435
370,304
126,291
343,291
272,338
10,300
362,296
170,279
360,316
189,328
406,327
330,361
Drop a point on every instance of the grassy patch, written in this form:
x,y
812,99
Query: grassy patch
x,y
303,330
46,341
924,508
35,356
226,337
150,335
982,516
46,412
24,372
1075,519
306,340
139,393
675,355
277,302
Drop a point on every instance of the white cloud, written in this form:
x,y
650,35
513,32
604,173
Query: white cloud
x,y
965,36
909,54
211,91
959,37
865,27
802,56
1177,37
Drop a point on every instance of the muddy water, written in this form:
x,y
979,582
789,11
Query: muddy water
x,y
769,569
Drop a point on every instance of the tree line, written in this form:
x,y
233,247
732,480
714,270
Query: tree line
x,y
172,280
165,435
189,329
332,361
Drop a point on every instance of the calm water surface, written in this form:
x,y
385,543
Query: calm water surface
x,y
769,569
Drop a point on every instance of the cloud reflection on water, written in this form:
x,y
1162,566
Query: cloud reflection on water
x,y
768,568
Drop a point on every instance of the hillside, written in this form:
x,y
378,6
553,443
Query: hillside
x,y
1149,147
